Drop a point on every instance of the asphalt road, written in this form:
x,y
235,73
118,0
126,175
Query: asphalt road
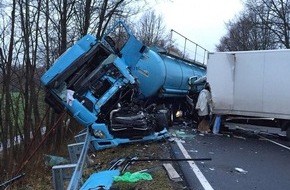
x,y
239,161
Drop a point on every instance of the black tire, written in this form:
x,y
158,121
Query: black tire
x,y
288,133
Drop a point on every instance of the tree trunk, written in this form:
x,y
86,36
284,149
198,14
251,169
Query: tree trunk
x,y
34,88
102,18
7,82
87,16
27,64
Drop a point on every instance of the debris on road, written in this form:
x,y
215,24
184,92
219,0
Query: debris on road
x,y
151,170
51,160
240,170
239,137
212,169
193,151
140,157
182,134
172,173
100,180
133,177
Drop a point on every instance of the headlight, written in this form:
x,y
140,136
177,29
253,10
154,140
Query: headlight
x,y
178,113
99,134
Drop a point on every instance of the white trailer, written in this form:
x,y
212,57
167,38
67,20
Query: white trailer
x,y
251,83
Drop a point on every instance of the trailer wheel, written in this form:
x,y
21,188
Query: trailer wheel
x,y
285,126
288,133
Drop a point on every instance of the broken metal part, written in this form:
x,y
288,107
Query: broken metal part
x,y
172,159
4,184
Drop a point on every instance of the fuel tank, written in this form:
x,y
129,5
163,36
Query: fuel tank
x,y
165,75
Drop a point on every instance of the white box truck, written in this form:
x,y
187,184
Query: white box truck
x,y
251,84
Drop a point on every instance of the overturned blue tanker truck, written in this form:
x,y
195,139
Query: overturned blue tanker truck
x,y
121,95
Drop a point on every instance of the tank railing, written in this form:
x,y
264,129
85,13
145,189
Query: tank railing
x,y
196,49
172,54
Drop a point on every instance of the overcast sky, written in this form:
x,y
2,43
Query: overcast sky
x,y
202,21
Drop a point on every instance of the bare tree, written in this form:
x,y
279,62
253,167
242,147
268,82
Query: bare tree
x,y
275,15
45,29
246,33
83,11
264,24
151,30
6,66
29,18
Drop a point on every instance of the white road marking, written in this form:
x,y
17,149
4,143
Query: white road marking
x,y
205,184
274,142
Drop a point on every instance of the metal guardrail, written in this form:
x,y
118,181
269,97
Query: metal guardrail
x,y
73,172
77,175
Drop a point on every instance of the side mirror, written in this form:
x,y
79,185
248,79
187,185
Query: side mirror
x,y
191,80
